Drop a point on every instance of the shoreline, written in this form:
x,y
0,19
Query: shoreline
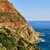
x,y
42,40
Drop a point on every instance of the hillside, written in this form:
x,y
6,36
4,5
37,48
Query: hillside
x,y
15,33
12,39
9,15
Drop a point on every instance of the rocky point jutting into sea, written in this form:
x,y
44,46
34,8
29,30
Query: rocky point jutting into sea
x,y
15,33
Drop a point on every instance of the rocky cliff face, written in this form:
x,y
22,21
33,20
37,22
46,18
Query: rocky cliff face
x,y
15,33
23,38
28,33
3,0
10,16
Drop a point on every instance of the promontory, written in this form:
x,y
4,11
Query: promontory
x,y
15,33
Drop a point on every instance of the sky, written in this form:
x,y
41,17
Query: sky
x,y
33,10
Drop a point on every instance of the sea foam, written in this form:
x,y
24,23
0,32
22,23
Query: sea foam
x,y
42,40
42,34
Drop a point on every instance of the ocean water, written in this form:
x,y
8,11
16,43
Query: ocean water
x,y
44,28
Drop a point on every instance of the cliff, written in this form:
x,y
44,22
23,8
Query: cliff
x,y
15,33
28,33
10,16
19,38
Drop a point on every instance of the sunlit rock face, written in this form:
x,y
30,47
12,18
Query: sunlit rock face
x,y
28,33
10,16
3,0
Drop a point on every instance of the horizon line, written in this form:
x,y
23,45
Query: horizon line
x,y
36,20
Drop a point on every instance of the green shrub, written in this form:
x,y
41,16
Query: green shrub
x,y
15,10
7,45
18,19
3,36
30,44
20,48
1,13
20,42
13,41
19,14
21,39
8,31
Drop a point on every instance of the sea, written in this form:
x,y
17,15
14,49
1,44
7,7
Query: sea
x,y
44,28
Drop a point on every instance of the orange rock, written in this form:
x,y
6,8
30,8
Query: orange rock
x,y
3,0
10,16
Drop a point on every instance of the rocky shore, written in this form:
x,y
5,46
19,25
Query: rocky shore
x,y
27,32
22,38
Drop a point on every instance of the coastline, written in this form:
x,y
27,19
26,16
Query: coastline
x,y
25,37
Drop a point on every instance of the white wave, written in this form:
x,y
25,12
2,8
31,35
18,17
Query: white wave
x,y
42,34
42,40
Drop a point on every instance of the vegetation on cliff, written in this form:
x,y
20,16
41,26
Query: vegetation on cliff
x,y
11,40
8,14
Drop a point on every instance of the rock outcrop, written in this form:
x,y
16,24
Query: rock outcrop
x,y
28,33
19,38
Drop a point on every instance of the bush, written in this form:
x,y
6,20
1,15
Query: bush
x,y
18,19
15,10
21,39
1,13
8,31
19,14
20,48
7,45
30,44
13,41
3,36
20,42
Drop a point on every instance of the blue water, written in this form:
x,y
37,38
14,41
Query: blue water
x,y
42,27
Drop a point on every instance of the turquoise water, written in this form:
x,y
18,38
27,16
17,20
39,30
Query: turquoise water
x,y
42,27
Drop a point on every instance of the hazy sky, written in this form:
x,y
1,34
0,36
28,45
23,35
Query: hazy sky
x,y
33,9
